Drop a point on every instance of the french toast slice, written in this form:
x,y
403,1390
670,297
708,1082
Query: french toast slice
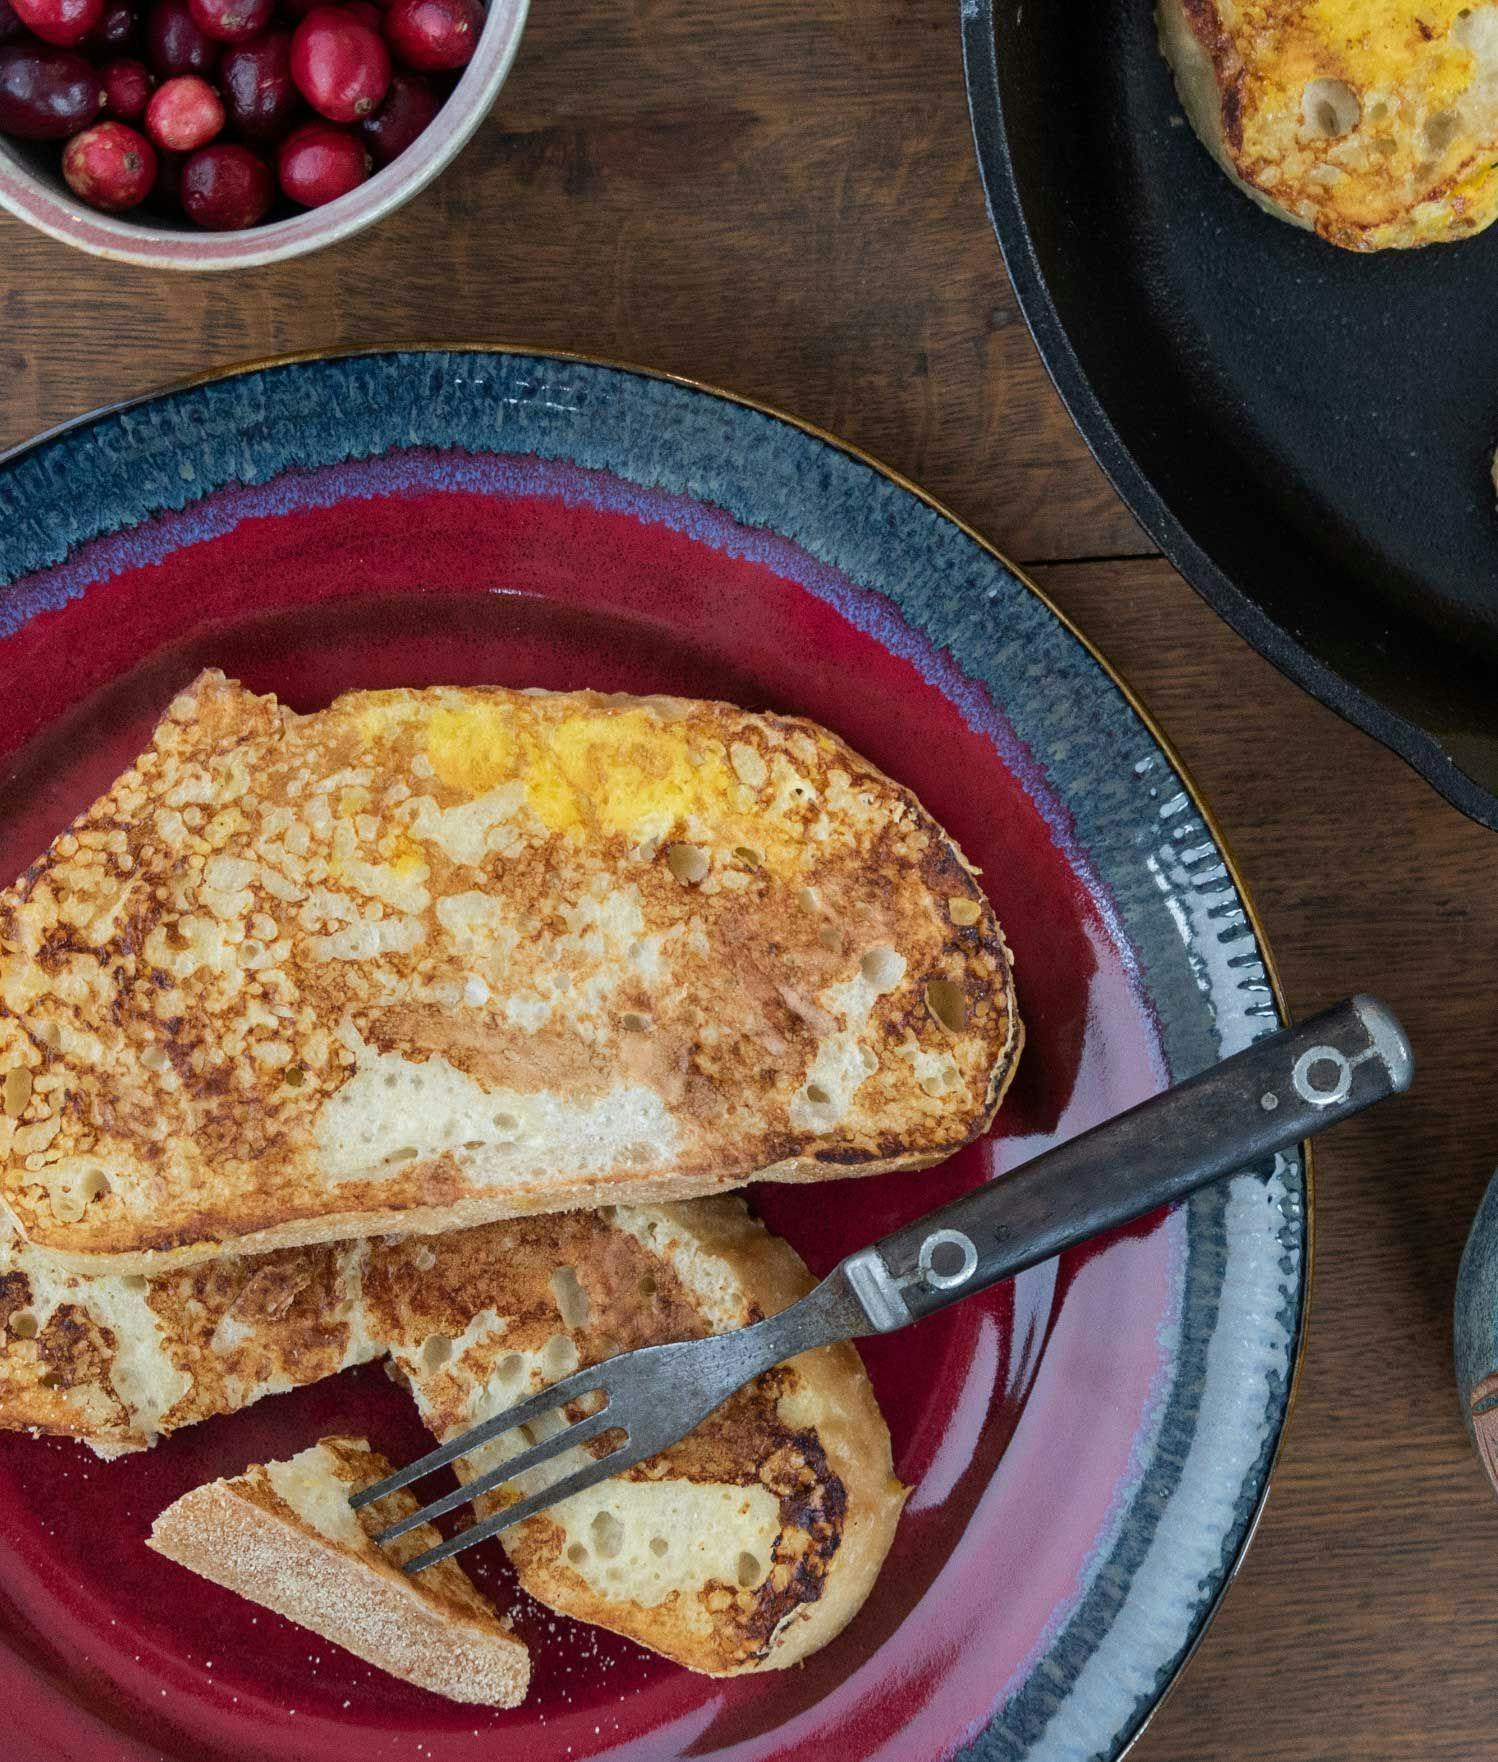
x,y
119,1360
426,959
283,1535
744,1547
1375,123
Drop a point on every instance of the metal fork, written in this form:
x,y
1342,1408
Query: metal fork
x,y
1262,1100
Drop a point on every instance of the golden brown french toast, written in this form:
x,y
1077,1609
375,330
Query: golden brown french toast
x,y
1375,122
744,1547
425,959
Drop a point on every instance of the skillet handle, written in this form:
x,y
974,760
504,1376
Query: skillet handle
x,y
1233,1115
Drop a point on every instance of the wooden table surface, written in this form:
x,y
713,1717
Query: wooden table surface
x,y
781,198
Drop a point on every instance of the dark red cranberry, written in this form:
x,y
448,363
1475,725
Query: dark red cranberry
x,y
10,23
320,162
256,82
63,22
166,194
184,114
110,165
341,66
118,30
127,90
226,188
366,12
409,106
46,94
232,21
174,42
433,35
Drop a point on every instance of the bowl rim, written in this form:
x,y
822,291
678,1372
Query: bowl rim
x,y
60,215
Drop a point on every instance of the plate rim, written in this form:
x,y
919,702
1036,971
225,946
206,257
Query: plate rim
x,y
1412,742
258,364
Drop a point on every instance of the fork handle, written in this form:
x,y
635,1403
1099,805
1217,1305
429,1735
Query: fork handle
x,y
1232,1116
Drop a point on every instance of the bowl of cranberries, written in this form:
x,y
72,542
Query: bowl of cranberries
x,y
215,134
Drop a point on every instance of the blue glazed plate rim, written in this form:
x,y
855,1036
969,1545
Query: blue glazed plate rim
x,y
1283,1401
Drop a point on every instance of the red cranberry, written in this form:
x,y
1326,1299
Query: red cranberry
x,y
409,106
341,67
175,44
110,165
10,23
184,113
433,35
225,188
366,12
127,90
232,21
117,31
256,83
46,94
63,22
320,162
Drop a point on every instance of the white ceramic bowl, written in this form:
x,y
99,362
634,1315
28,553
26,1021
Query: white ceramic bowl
x,y
31,185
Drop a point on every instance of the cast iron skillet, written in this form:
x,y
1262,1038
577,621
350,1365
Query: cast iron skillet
x,y
1305,432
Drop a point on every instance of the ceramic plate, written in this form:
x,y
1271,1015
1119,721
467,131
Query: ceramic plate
x,y
1088,1447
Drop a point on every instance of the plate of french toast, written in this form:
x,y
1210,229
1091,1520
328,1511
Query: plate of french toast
x,y
508,860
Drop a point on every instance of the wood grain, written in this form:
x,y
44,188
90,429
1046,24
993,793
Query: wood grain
x,y
781,199
775,198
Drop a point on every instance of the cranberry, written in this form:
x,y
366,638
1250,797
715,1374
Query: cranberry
x,y
46,94
127,90
366,12
319,162
226,188
10,23
63,22
184,113
341,67
174,43
166,194
409,106
110,165
117,29
232,21
433,35
256,82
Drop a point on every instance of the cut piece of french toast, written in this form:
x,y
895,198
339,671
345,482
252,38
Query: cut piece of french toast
x,y
744,1547
284,1535
119,1360
425,959
1375,122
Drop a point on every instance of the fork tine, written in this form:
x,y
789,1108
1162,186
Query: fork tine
x,y
581,1382
599,1469
566,1439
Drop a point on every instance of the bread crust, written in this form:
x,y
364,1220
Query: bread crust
x,y
434,1630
